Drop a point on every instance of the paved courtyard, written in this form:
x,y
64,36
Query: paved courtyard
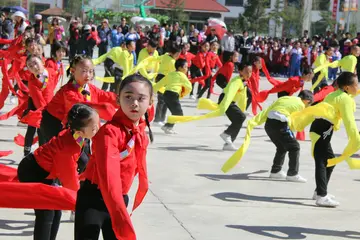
x,y
190,198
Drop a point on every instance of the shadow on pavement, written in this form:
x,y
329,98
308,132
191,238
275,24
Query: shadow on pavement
x,y
203,148
240,197
276,232
12,225
237,176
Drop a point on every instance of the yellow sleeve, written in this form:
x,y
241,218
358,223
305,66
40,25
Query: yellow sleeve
x,y
101,59
320,77
346,108
127,63
230,93
186,85
142,56
164,81
300,119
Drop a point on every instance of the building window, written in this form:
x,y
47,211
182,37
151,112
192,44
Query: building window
x,y
321,5
235,3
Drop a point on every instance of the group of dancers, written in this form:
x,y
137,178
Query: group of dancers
x,y
95,163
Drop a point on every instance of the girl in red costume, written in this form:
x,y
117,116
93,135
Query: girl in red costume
x,y
77,90
119,153
214,62
253,83
41,84
224,74
57,160
197,68
55,62
289,87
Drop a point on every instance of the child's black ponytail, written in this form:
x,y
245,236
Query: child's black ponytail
x,y
151,135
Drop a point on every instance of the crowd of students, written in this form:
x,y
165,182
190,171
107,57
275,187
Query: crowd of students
x,y
98,162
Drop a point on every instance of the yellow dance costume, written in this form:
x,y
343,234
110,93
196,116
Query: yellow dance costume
x,y
337,106
176,82
235,91
150,67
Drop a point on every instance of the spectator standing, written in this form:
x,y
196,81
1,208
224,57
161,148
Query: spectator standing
x,y
103,32
203,33
6,26
124,26
228,42
20,23
74,38
194,42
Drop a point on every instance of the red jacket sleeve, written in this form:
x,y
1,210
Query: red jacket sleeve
x,y
218,62
106,97
110,184
35,92
50,63
287,86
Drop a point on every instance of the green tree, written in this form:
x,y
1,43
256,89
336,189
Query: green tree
x,y
276,13
75,7
328,20
9,3
293,17
254,17
176,9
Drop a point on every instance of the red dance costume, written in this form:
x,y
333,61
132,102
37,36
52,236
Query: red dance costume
x,y
291,86
119,153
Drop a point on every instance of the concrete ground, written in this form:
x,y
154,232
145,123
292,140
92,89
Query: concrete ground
x,y
190,198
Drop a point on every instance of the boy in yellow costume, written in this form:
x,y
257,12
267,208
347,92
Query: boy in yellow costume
x,y
177,85
118,63
321,131
152,67
277,126
232,102
320,78
167,65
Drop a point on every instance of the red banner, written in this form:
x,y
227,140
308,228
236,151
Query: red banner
x,y
334,9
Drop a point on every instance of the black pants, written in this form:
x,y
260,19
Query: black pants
x,y
195,72
47,222
30,131
285,141
50,126
161,108
173,104
112,71
322,152
102,48
91,214
322,83
206,87
249,97
282,94
72,52
236,116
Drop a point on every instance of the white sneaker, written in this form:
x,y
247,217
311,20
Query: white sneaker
x,y
315,196
278,175
20,124
72,216
158,124
296,178
226,138
229,147
192,97
168,130
326,202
